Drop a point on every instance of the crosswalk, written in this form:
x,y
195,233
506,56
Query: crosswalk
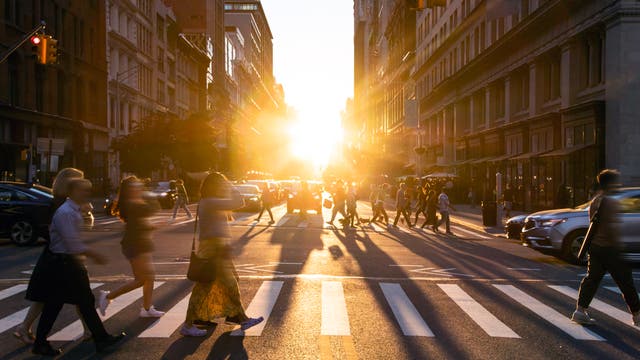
x,y
336,319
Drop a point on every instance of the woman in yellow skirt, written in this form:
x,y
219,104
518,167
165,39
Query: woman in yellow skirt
x,y
220,298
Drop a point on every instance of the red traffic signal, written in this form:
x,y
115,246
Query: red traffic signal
x,y
36,40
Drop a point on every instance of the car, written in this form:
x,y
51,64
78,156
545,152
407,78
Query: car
x,y
513,226
296,202
250,195
163,193
563,230
25,212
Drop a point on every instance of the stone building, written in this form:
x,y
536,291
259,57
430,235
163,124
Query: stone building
x,y
57,110
543,92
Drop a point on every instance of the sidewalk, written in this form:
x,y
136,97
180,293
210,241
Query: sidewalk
x,y
472,217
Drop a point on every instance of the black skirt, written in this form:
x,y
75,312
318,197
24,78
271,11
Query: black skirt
x,y
59,278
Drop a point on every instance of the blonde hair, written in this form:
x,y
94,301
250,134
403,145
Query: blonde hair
x,y
60,186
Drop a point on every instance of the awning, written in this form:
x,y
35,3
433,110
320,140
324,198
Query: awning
x,y
481,160
529,155
500,158
566,151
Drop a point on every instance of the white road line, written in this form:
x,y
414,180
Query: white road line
x,y
335,320
616,289
283,220
524,269
622,316
470,232
376,228
303,225
405,313
165,326
262,305
16,318
74,330
16,289
486,320
560,321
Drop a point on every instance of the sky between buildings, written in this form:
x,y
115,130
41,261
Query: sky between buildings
x,y
313,57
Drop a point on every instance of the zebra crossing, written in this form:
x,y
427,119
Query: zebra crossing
x,y
335,319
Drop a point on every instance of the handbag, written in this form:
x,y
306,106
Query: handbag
x,y
200,270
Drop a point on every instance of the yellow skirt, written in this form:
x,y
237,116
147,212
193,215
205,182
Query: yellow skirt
x,y
220,298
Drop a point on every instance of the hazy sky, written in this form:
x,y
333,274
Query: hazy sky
x,y
313,55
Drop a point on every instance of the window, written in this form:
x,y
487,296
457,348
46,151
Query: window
x,y
160,60
161,98
551,82
144,80
11,11
592,64
499,100
241,7
160,28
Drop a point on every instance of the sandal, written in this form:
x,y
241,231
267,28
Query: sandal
x,y
26,337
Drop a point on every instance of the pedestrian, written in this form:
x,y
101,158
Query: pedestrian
x,y
444,205
352,207
471,197
59,189
220,298
61,277
604,253
507,197
266,202
432,208
402,206
339,201
137,246
378,210
182,200
421,206
306,198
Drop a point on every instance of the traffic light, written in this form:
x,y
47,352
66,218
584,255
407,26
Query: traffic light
x,y
52,50
39,50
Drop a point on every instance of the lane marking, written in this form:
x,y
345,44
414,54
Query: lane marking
x,y
303,225
74,330
473,233
262,305
622,316
405,313
486,320
335,320
616,289
524,269
17,317
16,289
547,313
165,326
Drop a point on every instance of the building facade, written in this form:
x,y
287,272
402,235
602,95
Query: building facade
x,y
513,88
57,111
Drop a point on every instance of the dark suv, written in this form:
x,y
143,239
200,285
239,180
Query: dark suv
x,y
25,212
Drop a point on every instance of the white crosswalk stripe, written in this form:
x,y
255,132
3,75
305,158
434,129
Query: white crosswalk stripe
x,y
262,305
16,289
165,326
486,320
622,316
405,313
560,321
74,331
335,320
615,289
16,318
468,232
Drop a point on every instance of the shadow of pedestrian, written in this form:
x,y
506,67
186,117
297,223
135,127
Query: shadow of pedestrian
x,y
229,347
186,346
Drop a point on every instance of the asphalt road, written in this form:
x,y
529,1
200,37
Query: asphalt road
x,y
329,293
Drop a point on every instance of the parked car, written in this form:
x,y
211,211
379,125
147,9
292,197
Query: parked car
x,y
563,230
250,195
513,226
25,212
162,191
296,202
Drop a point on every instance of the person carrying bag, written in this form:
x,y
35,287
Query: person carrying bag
x,y
215,294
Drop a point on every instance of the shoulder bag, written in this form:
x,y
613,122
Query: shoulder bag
x,y
201,270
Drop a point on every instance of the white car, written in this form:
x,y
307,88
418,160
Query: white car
x,y
563,230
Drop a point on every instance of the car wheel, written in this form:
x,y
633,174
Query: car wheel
x,y
571,247
23,233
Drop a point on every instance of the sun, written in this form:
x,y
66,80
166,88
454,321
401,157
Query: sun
x,y
314,138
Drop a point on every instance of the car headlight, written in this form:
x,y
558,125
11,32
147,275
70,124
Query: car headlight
x,y
552,222
107,201
163,194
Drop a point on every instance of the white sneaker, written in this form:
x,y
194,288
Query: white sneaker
x,y
582,318
103,302
151,313
192,331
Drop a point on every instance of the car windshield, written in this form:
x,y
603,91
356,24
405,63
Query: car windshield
x,y
248,189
